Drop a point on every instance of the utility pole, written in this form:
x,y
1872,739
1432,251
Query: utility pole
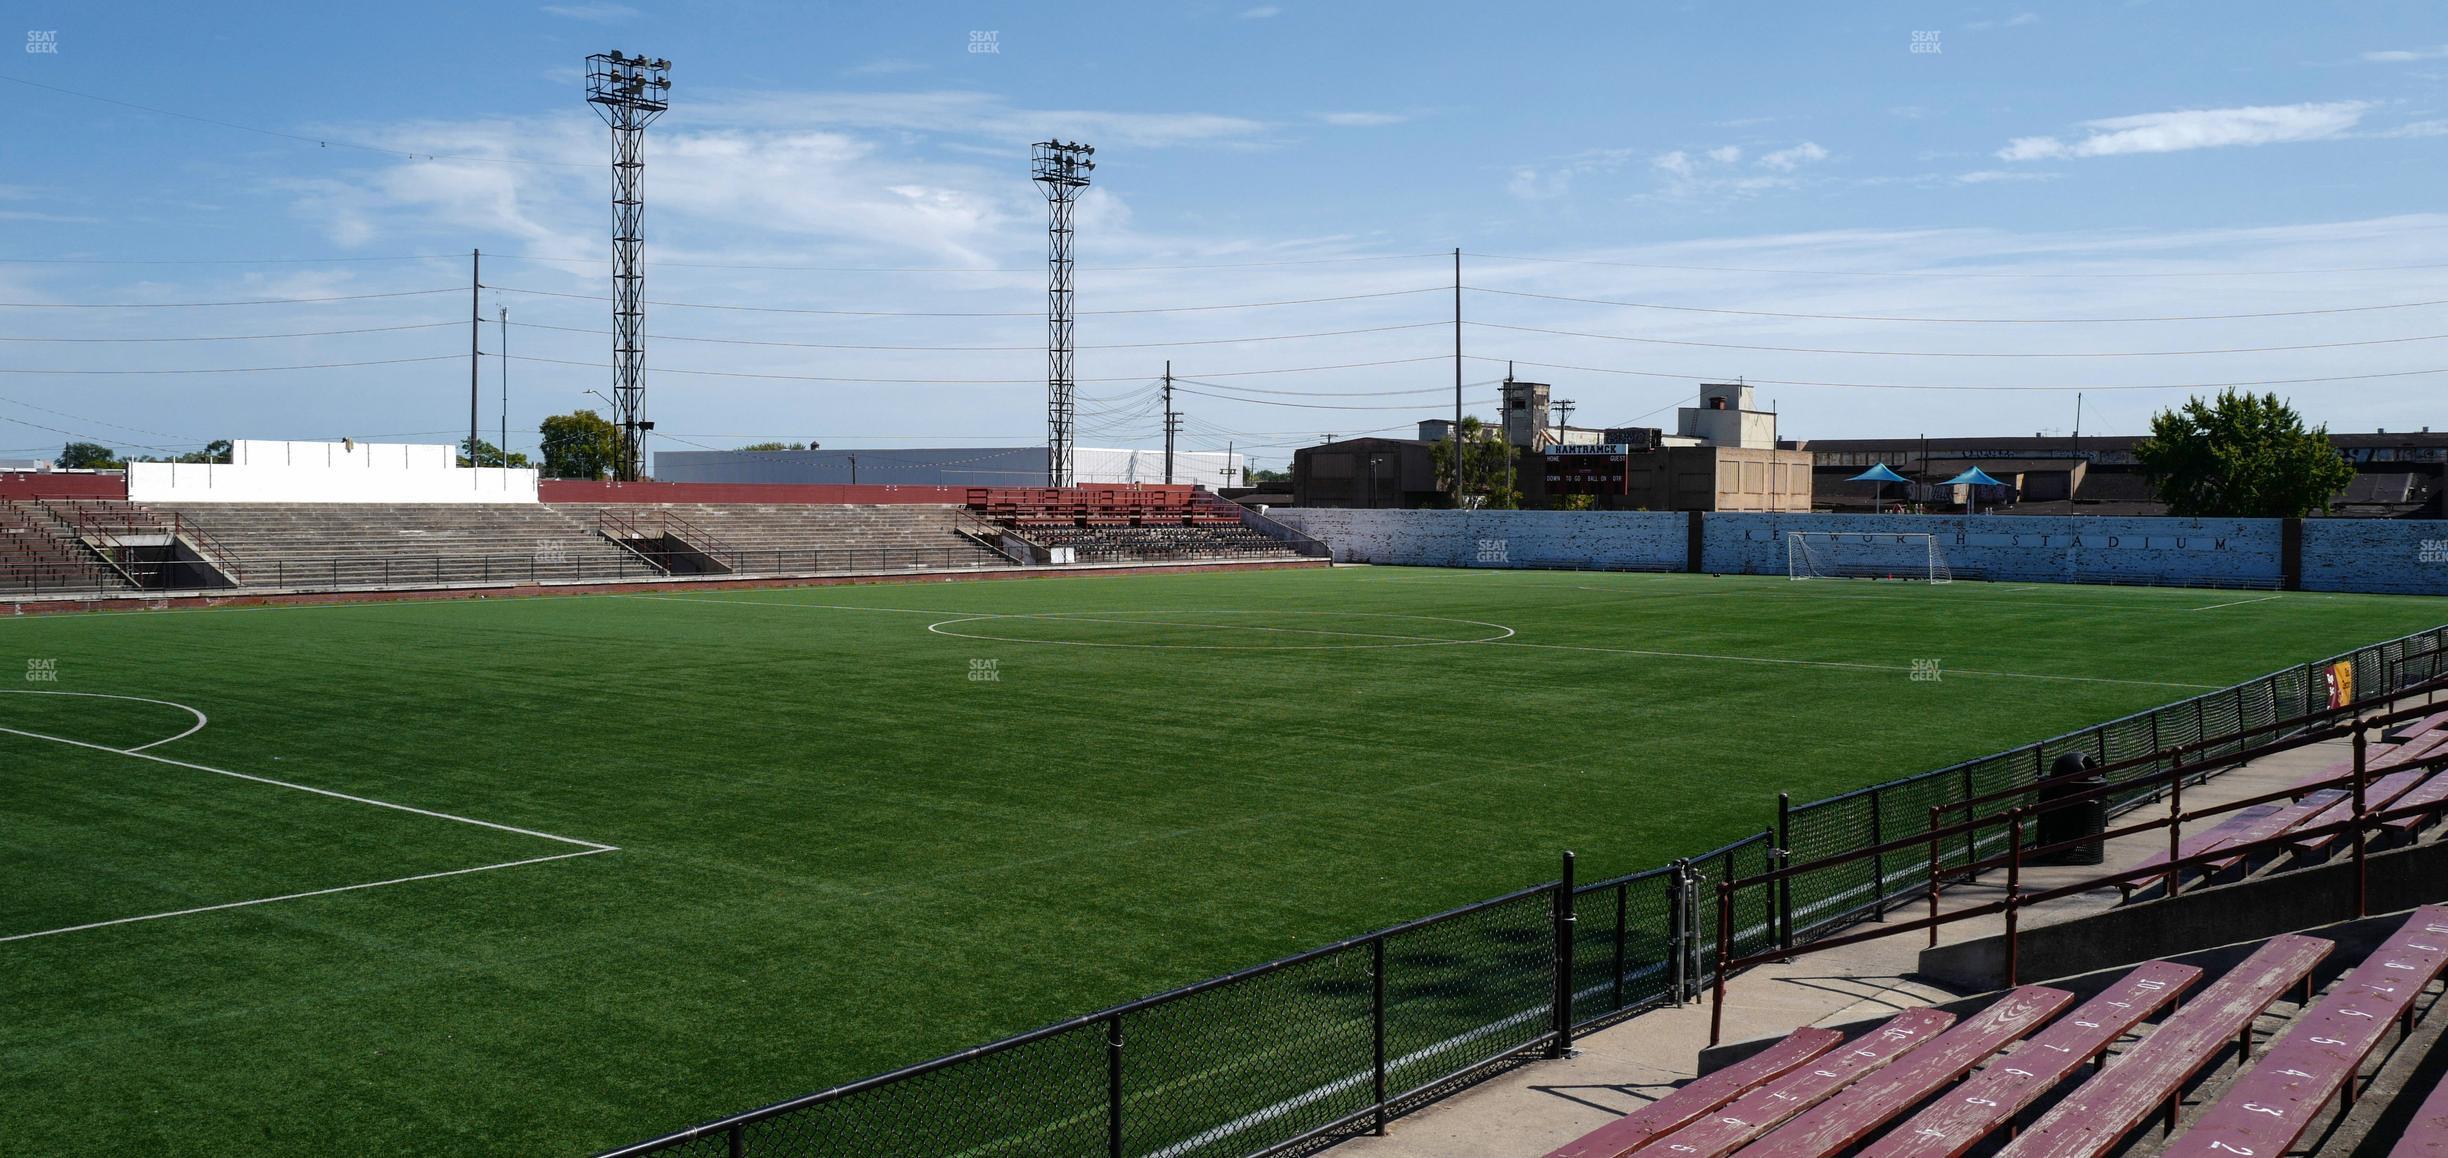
x,y
1228,453
1457,430
1172,423
505,391
475,355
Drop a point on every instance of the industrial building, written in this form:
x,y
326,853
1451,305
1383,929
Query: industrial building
x,y
2397,475
1723,455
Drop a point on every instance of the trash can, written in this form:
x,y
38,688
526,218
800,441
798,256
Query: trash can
x,y
2072,773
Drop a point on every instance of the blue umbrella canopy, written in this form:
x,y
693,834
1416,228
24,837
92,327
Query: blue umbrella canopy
x,y
1976,477
1879,474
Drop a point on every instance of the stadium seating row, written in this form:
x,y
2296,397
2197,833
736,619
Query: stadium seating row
x,y
1917,1086
2390,784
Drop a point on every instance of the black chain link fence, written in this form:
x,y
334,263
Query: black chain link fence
x,y
1293,1055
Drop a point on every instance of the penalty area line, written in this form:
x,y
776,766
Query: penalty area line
x,y
312,893
591,846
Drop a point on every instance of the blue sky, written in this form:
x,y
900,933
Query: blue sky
x,y
2095,161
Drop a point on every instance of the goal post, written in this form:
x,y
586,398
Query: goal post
x,y
1909,555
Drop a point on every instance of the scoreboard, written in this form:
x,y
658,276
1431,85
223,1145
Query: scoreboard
x,y
1589,469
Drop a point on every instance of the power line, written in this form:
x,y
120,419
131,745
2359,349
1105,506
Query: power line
x,y
897,381
973,313
227,260
249,369
857,346
1972,389
1035,269
1952,354
1985,321
248,337
1946,272
238,302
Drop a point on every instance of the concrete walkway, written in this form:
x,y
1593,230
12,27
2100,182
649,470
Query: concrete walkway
x,y
1537,1107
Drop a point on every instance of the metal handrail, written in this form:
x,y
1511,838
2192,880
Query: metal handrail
x,y
2171,868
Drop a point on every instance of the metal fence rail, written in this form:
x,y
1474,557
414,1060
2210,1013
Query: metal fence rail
x,y
1294,1054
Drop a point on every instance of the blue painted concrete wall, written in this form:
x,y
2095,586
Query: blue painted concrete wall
x,y
2401,556
2070,549
1637,539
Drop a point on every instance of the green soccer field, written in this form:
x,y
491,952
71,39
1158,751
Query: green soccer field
x,y
548,875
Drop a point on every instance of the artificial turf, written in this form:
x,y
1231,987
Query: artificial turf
x,y
852,832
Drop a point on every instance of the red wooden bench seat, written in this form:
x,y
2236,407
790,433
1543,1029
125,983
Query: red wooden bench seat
x,y
1762,1109
1871,1102
2426,1135
1700,1095
2377,794
2432,791
2278,822
2153,1074
2235,828
1992,1097
2269,1107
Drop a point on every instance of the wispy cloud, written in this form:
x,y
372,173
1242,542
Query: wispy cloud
x,y
594,12
1789,159
1362,120
1261,12
2402,55
1991,176
2018,20
2172,132
973,115
887,67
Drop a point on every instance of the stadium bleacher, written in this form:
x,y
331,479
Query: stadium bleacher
x,y
1901,1088
787,538
1126,524
39,551
383,544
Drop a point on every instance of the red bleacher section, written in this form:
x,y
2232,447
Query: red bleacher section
x,y
1092,506
1799,1099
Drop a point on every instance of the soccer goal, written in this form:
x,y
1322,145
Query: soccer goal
x,y
1910,555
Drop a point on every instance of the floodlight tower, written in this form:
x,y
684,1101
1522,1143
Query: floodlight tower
x,y
629,92
1062,171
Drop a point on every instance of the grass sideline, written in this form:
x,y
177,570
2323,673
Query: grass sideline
x,y
846,840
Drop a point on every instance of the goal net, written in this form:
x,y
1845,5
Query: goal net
x,y
1910,555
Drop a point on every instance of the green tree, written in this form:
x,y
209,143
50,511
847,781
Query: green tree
x,y
1572,502
2241,455
488,454
765,446
580,444
1487,467
87,456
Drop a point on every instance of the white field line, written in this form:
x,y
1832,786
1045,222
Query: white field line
x,y
2237,603
313,893
198,713
1846,665
1428,639
143,755
586,847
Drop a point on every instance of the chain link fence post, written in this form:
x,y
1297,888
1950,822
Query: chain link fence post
x,y
1565,921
